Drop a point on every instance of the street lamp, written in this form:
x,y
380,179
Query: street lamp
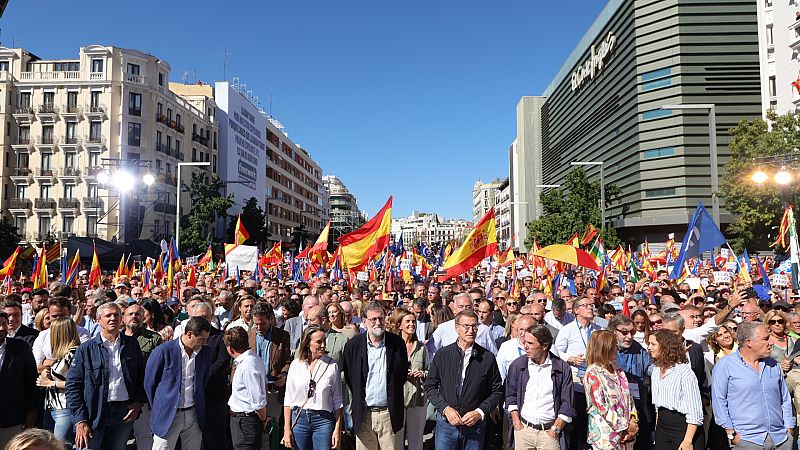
x,y
712,143
178,196
602,188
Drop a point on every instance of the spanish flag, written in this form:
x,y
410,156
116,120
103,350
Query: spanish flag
x,y
72,270
506,258
206,257
359,246
8,266
588,235
319,251
275,255
240,235
574,241
40,271
480,243
94,273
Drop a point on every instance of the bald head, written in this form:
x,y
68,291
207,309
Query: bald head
x,y
308,303
537,313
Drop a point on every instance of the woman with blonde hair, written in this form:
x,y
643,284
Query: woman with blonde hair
x,y
722,342
63,341
612,414
780,342
404,324
34,439
42,319
336,316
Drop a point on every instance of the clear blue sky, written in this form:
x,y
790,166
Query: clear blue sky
x,y
412,98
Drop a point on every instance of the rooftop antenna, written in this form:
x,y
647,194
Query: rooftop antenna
x,y
224,56
185,77
270,103
235,83
194,79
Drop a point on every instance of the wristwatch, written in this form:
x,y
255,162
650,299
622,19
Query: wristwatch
x,y
555,429
730,436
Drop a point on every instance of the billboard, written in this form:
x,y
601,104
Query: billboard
x,y
242,137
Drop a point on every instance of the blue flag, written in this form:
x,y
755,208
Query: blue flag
x,y
702,235
763,274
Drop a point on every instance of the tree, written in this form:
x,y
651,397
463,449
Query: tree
x,y
9,239
253,221
757,209
208,205
569,209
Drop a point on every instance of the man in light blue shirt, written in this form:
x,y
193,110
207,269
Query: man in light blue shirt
x,y
376,375
749,395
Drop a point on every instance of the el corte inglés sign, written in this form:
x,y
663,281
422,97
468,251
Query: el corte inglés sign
x,y
595,63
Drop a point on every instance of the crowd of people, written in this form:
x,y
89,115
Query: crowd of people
x,y
471,363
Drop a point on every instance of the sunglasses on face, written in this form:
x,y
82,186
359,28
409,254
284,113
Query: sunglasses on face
x,y
512,303
776,322
626,332
655,322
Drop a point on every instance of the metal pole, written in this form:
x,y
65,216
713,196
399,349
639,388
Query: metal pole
x,y
602,199
178,206
712,140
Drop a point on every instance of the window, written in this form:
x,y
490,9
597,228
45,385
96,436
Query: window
x,y
177,147
158,165
22,159
656,79
178,119
47,134
21,224
768,3
214,168
133,69
72,127
94,159
68,224
4,66
160,79
49,98
158,139
25,99
24,135
194,129
70,159
770,37
69,191
659,152
169,114
134,134
135,104
44,225
91,225
772,86
95,131
169,143
92,191
22,191
47,161
97,65
45,190
66,66
94,99
160,109
169,169
72,101
656,114
663,192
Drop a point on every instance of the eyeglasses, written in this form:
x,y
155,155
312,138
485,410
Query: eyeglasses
x,y
655,322
776,322
585,305
468,327
500,298
625,332
512,303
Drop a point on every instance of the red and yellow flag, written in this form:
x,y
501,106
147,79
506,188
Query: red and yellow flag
x,y
480,243
319,251
506,258
574,241
588,235
40,272
9,263
206,258
94,272
359,246
122,270
274,256
240,235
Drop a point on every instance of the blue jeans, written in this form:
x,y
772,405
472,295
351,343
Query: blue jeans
x,y
458,438
314,429
115,435
63,428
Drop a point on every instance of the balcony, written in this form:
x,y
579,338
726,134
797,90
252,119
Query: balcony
x,y
44,204
98,142
6,76
24,144
48,109
23,113
21,175
70,143
69,204
164,207
47,76
167,178
198,138
19,205
46,143
40,236
92,171
160,118
134,78
135,112
95,112
70,173
71,111
794,35
92,203
44,174
63,235
163,148
179,128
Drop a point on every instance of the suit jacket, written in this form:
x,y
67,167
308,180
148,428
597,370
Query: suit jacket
x,y
218,390
18,375
26,334
698,363
294,327
563,392
162,383
280,351
355,373
87,381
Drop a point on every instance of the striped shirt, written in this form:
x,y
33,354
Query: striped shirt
x,y
678,391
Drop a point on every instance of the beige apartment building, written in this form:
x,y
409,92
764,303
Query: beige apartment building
x,y
91,145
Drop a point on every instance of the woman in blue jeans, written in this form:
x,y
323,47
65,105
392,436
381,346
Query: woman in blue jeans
x,y
312,405
63,341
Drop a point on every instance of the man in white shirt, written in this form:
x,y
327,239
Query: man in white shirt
x,y
245,320
559,316
248,402
446,333
224,303
515,347
486,316
42,351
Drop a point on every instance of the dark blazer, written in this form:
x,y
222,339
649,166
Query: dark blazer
x,y
280,351
355,374
87,380
218,389
698,364
26,334
18,375
563,393
162,383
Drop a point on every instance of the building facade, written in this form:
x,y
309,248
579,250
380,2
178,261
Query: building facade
x,y
605,105
502,214
429,228
483,197
342,206
90,145
779,55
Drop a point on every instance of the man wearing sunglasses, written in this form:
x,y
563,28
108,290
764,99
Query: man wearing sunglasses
x,y
634,360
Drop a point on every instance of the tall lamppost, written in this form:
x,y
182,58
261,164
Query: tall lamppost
x,y
602,188
712,143
178,196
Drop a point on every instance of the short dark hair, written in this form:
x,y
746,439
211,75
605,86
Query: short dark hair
x,y
3,315
236,338
14,297
559,304
40,291
61,302
262,309
618,321
542,334
8,303
197,325
62,290
420,303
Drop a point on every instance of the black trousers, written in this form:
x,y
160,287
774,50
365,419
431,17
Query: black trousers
x,y
671,428
217,432
579,427
246,433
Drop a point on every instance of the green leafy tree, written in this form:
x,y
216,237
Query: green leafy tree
x,y
208,205
253,221
757,208
569,209
9,238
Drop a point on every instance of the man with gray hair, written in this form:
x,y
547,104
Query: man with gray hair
x,y
224,303
445,334
751,400
296,325
674,322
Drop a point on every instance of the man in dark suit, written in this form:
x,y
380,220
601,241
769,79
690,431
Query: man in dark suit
x,y
18,374
175,382
104,384
216,433
375,369
296,325
16,329
424,325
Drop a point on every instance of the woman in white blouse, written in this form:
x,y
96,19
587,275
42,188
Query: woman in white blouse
x,y
312,406
676,394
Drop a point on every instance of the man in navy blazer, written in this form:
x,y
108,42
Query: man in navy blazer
x,y
104,384
175,382
17,374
